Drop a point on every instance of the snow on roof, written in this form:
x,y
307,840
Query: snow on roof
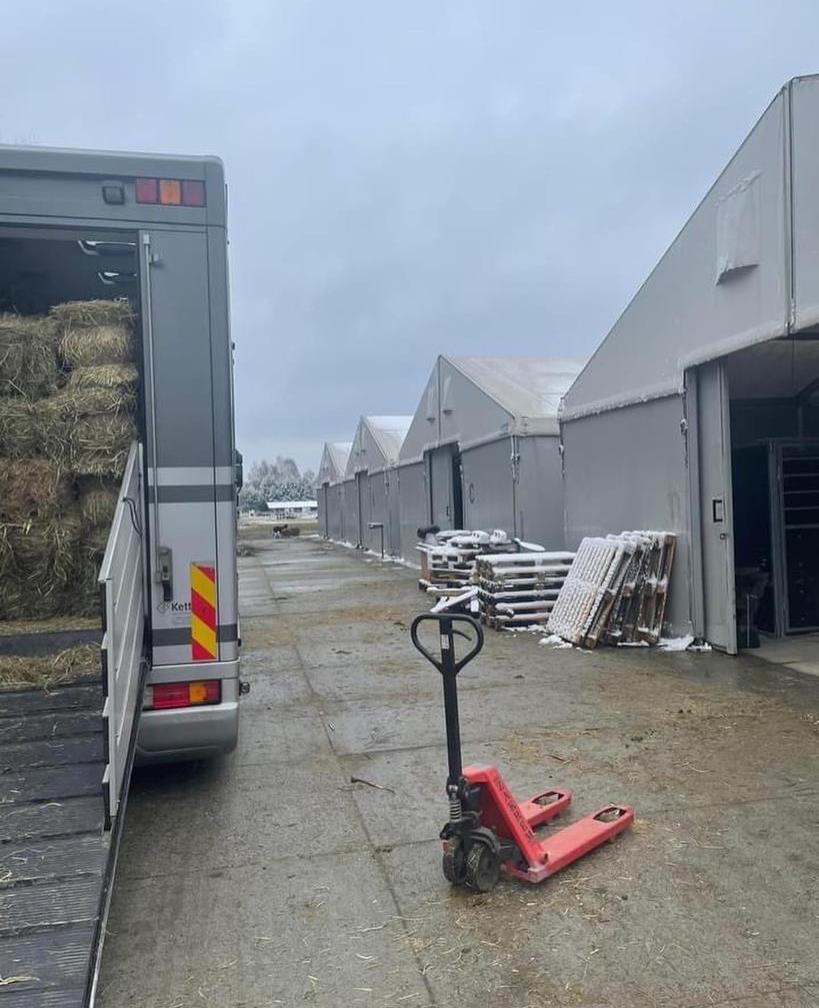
x,y
389,433
339,452
334,460
524,386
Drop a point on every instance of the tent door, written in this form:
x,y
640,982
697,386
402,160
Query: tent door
x,y
707,406
441,499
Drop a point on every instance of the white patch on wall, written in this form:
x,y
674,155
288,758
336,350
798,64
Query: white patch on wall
x,y
446,405
738,229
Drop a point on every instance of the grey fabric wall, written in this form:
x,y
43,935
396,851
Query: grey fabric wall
x,y
335,512
626,469
392,535
540,494
413,507
533,508
324,510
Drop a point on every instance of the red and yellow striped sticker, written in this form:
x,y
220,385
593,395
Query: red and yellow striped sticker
x,y
203,612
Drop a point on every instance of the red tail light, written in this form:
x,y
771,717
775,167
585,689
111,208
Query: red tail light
x,y
146,190
163,696
170,192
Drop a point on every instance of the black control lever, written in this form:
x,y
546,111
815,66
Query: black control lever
x,y
449,669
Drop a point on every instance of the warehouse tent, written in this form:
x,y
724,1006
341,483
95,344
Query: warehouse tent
x,y
374,454
331,469
482,449
708,379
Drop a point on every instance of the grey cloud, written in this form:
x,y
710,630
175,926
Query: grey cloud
x,y
470,177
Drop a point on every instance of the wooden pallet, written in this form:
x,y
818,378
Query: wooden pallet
x,y
617,590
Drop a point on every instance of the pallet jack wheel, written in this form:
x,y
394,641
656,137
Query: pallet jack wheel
x,y
453,865
482,868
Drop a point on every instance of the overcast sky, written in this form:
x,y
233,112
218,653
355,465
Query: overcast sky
x,y
411,178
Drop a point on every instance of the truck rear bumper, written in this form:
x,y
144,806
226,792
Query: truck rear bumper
x,y
191,733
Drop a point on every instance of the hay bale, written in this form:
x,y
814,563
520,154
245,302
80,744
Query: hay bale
x,y
32,488
21,433
104,344
88,314
98,445
98,502
21,600
18,672
28,355
45,551
71,403
39,560
106,376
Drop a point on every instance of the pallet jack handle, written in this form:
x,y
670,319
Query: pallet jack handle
x,y
449,668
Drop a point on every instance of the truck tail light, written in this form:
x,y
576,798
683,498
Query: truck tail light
x,y
193,192
164,696
146,190
170,192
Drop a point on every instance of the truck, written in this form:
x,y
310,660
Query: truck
x,y
149,231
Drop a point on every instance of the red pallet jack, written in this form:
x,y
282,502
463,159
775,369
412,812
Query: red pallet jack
x,y
488,829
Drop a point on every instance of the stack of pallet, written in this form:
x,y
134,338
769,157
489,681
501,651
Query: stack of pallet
x,y
448,562
519,589
616,591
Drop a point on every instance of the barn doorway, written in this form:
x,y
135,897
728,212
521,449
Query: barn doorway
x,y
445,487
774,422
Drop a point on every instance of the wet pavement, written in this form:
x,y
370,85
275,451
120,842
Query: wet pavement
x,y
268,878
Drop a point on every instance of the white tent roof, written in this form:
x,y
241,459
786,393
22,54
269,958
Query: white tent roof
x,y
389,433
523,386
472,399
377,442
334,461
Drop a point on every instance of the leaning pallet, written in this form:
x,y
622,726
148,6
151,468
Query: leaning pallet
x,y
616,591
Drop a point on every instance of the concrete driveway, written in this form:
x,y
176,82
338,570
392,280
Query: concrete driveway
x,y
270,879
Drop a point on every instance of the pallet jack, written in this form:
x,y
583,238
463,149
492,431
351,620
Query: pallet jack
x,y
488,829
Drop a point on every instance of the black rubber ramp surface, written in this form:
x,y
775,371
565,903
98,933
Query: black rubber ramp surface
x,y
54,854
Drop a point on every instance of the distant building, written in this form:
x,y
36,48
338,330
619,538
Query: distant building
x,y
293,509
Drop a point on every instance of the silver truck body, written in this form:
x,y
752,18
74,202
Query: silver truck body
x,y
72,228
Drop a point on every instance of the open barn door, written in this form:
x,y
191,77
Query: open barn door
x,y
445,494
712,528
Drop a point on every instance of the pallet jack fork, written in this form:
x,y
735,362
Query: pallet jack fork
x,y
488,829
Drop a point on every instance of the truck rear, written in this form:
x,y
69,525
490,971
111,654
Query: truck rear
x,y
80,226
116,383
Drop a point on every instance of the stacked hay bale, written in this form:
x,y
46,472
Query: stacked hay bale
x,y
68,388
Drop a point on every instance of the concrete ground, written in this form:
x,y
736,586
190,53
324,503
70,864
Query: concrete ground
x,y
799,653
270,879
